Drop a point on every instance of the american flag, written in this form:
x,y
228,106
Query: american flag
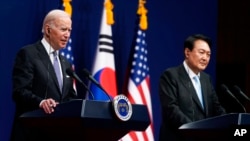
x,y
67,51
138,88
104,64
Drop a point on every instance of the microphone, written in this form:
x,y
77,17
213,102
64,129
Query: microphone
x,y
239,92
72,74
225,89
92,79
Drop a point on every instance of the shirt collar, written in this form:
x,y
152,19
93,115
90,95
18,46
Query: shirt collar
x,y
190,73
49,49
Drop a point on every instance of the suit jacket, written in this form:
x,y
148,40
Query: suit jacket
x,y
180,103
34,79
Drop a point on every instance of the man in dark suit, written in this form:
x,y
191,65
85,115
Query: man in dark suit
x,y
183,101
36,84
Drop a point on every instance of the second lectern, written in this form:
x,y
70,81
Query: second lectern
x,y
220,127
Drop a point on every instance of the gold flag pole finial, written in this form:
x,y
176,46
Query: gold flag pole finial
x,y
68,7
142,11
109,7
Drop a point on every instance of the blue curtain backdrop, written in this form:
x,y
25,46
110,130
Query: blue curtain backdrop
x,y
170,22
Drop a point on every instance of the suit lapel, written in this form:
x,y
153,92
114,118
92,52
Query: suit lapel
x,y
189,86
47,63
204,92
63,67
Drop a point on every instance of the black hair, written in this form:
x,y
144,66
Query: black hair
x,y
189,42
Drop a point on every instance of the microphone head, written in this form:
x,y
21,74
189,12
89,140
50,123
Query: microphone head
x,y
70,72
241,94
224,87
86,72
237,88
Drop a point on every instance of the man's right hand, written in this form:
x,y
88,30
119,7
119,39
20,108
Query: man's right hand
x,y
48,105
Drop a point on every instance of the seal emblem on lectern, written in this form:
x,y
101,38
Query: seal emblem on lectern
x,y
122,107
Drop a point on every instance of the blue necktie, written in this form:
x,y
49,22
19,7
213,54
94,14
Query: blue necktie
x,y
57,70
198,89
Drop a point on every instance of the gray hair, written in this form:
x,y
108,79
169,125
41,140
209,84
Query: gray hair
x,y
52,16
